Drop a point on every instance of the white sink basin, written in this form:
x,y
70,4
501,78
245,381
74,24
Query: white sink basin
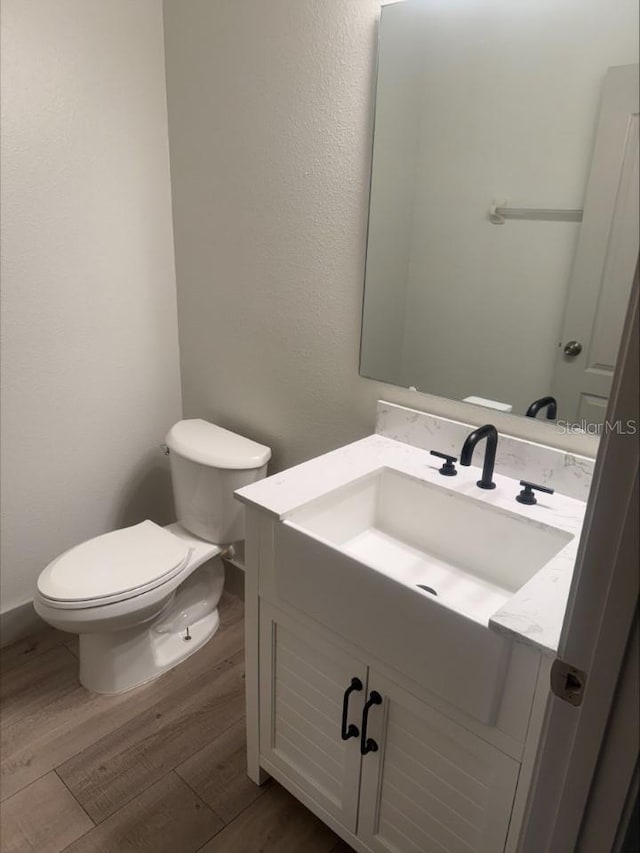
x,y
473,556
353,559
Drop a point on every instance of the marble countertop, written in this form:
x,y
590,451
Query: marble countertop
x,y
534,614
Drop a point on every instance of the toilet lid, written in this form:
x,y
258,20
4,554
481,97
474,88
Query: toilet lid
x,y
119,564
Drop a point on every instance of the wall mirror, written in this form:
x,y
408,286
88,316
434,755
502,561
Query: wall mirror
x,y
503,221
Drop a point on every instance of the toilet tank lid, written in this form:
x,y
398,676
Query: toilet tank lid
x,y
211,445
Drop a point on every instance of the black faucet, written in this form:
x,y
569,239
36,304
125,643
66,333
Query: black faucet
x,y
550,403
489,432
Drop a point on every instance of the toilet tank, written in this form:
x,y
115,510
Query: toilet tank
x,y
208,463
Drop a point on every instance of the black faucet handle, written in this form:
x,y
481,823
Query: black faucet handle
x,y
449,468
527,496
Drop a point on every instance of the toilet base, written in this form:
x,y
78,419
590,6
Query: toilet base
x,y
116,661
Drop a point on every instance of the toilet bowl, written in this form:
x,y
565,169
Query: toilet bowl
x,y
144,598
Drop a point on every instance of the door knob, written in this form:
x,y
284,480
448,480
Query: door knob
x,y
573,348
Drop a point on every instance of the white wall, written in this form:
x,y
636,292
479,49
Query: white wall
x,y
90,377
508,107
270,117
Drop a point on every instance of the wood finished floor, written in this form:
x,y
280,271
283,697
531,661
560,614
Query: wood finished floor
x,y
160,769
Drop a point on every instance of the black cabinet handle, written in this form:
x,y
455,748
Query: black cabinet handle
x,y
349,730
368,744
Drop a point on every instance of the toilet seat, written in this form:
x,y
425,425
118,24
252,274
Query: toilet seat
x,y
114,567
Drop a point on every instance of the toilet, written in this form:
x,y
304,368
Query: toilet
x,y
144,598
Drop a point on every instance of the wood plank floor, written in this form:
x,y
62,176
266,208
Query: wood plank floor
x,y
160,769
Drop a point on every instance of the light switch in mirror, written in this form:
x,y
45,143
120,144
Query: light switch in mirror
x,y
503,222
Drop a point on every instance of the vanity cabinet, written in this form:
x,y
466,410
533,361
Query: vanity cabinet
x,y
424,783
435,773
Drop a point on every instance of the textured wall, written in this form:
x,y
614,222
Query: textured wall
x,y
270,116
90,378
269,111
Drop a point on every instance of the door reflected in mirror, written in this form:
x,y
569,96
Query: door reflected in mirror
x,y
503,221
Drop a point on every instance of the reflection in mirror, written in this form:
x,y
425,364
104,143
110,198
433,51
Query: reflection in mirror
x,y
503,222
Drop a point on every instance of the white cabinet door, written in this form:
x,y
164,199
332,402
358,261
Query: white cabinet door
x,y
303,679
431,786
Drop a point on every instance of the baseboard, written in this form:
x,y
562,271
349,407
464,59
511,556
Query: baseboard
x,y
19,622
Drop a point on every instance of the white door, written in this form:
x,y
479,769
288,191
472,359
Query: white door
x,y
597,627
430,786
605,260
305,685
